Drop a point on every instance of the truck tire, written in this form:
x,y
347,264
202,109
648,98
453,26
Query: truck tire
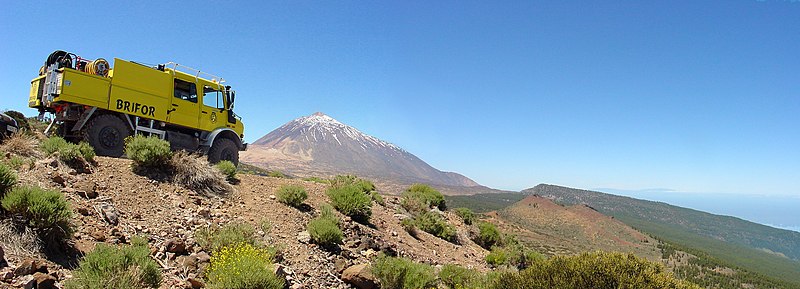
x,y
223,149
106,134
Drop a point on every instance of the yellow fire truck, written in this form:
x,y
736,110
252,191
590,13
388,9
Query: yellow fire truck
x,y
103,104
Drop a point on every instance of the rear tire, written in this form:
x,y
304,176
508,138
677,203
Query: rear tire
x,y
106,134
223,149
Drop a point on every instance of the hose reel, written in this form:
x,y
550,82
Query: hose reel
x,y
97,67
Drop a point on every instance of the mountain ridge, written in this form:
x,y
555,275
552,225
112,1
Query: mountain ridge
x,y
321,145
763,249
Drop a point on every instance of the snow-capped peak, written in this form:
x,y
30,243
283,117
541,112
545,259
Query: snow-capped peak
x,y
324,125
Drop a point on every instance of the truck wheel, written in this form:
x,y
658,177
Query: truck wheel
x,y
106,134
223,149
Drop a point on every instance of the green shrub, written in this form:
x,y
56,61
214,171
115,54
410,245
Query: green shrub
x,y
227,168
351,201
149,151
326,211
8,178
514,255
401,273
343,180
466,214
68,152
317,180
455,276
45,210
53,144
16,162
365,186
434,224
276,174
242,266
497,257
377,198
292,195
124,267
86,151
215,238
325,231
421,195
591,270
488,235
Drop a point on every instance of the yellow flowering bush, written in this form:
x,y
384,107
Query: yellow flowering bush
x,y
242,266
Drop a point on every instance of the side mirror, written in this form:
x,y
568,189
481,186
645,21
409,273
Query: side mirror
x,y
232,100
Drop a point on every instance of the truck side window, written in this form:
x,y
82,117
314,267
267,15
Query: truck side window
x,y
185,90
212,97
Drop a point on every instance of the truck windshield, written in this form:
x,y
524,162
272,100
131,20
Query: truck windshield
x,y
212,97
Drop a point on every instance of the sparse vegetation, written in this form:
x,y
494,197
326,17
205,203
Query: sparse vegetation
x,y
488,235
19,241
44,210
591,270
465,214
292,195
16,162
512,255
148,152
195,173
325,231
68,152
317,180
215,238
242,266
421,197
377,198
21,144
276,174
455,276
436,225
351,201
401,273
228,169
123,267
8,178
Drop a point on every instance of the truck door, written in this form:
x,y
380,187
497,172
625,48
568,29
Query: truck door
x,y
212,111
184,110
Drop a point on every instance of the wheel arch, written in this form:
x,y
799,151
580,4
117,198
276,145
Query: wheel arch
x,y
223,133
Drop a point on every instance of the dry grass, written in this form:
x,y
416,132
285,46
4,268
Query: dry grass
x,y
196,174
20,244
22,145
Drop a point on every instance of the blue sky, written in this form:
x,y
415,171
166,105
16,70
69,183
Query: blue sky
x,y
700,96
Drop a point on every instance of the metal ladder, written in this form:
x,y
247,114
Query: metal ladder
x,y
149,129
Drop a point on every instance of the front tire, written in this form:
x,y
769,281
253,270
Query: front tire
x,y
106,134
223,149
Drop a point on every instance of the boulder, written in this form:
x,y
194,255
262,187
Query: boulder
x,y
44,281
194,283
188,263
176,246
304,237
86,189
30,266
110,214
360,276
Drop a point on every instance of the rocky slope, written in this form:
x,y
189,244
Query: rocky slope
x,y
112,205
558,230
318,145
